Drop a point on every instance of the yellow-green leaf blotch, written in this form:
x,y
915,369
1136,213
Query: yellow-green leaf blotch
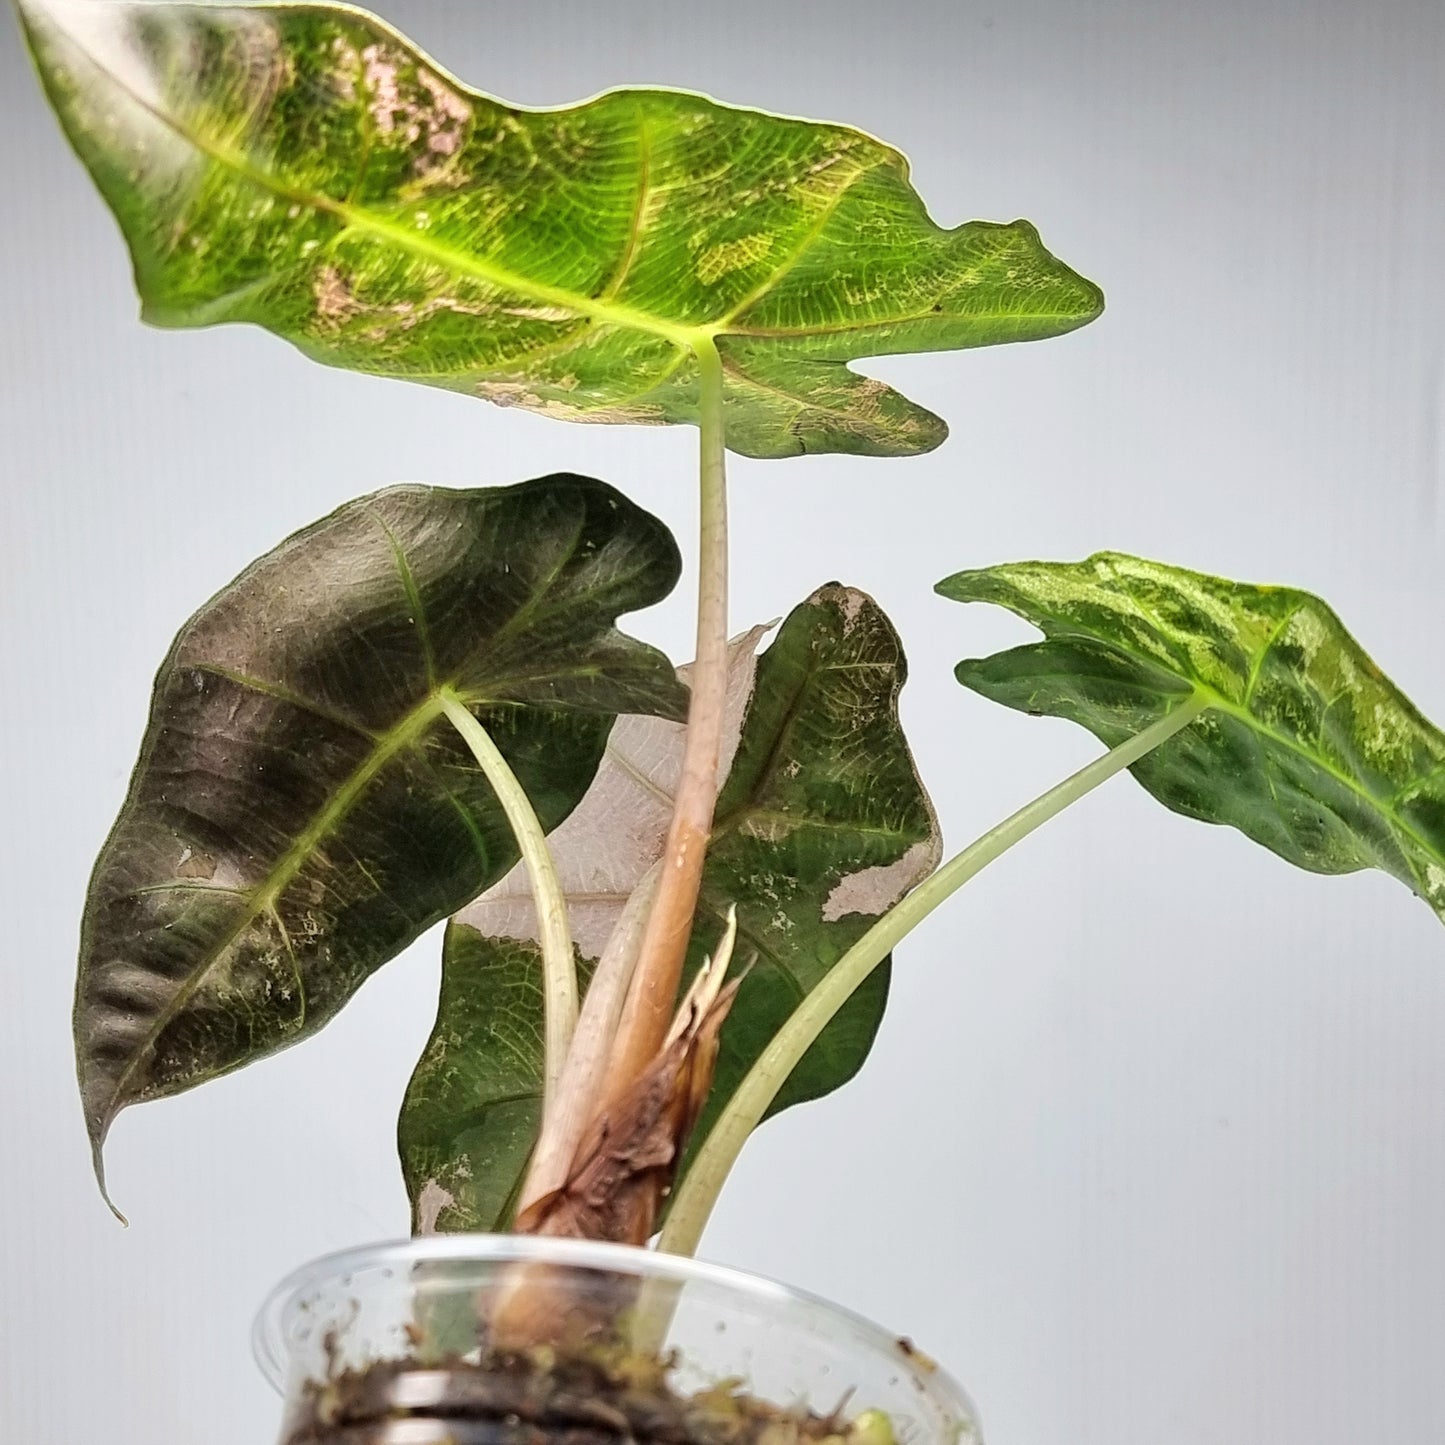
x,y
1306,746
306,169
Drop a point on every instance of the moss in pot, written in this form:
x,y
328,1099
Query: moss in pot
x,y
671,895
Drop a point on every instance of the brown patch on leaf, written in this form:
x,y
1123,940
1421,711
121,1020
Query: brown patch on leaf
x,y
257,50
335,302
509,393
433,1199
418,107
196,863
526,396
873,891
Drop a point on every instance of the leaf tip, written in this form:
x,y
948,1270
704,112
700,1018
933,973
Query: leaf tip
x,y
97,1162
920,432
1091,298
957,587
968,672
930,431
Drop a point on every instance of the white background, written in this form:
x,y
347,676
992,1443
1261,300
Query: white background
x,y
1152,1146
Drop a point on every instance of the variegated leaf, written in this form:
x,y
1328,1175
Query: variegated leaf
x,y
302,809
1305,746
822,825
305,168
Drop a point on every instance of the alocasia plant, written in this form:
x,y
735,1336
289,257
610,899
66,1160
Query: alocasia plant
x,y
419,708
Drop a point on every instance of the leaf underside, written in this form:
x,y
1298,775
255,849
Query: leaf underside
x,y
306,169
1306,746
302,810
822,824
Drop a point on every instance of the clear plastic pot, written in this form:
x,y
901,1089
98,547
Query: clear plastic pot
x,y
391,1345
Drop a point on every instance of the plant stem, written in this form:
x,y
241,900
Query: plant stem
x,y
699,1191
653,996
559,972
572,1105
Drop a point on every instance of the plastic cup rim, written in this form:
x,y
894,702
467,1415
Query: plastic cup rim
x,y
271,1333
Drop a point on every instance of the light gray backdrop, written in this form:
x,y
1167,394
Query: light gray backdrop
x,y
1152,1147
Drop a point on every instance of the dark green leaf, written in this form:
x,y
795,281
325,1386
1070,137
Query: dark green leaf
x,y
301,810
303,167
821,826
474,1104
1306,746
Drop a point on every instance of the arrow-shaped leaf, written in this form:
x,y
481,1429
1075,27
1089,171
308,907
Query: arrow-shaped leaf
x,y
305,168
1305,746
821,825
302,810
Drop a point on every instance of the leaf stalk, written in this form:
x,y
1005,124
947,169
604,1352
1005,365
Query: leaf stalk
x,y
694,1201
559,971
652,998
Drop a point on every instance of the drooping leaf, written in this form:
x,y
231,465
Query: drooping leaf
x,y
822,825
305,168
1306,746
302,809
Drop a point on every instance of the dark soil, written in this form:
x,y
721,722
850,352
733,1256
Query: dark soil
x,y
543,1398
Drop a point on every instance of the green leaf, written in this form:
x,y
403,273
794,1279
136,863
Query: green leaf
x,y
302,810
474,1104
305,168
822,825
1306,746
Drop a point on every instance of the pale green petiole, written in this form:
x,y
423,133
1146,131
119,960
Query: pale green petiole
x,y
559,972
745,1110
